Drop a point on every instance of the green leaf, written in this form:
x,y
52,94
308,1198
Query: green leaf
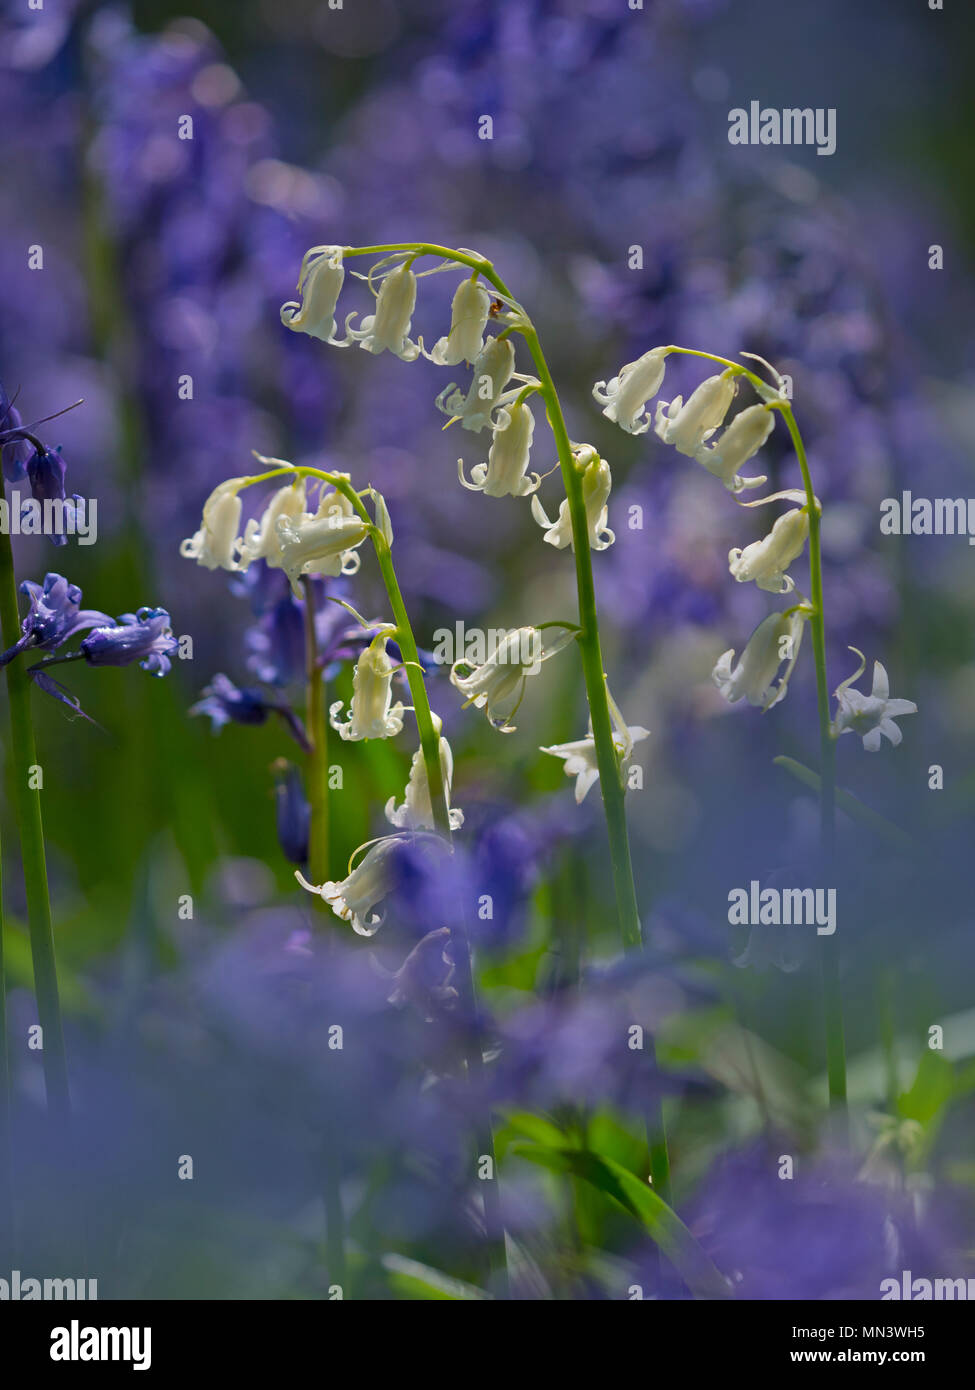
x,y
933,1087
420,1281
663,1225
849,804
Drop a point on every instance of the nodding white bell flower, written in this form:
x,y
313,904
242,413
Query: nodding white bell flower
x,y
776,639
597,483
416,812
319,286
580,756
216,543
624,398
371,713
469,313
498,685
355,898
493,369
766,560
389,327
869,716
321,543
687,424
261,539
504,474
742,439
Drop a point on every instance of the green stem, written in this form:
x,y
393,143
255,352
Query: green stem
x,y
6,1200
318,867
463,962
317,724
31,827
832,989
607,760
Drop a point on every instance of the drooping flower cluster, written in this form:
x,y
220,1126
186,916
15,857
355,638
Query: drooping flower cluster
x,y
55,616
692,427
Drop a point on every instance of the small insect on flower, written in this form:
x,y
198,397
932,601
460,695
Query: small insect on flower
x,y
319,285
776,639
624,398
389,327
372,714
687,425
416,811
766,560
580,756
505,473
498,685
597,483
742,439
216,543
469,314
493,370
355,898
869,716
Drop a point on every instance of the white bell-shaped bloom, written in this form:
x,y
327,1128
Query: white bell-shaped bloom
x,y
321,543
776,639
388,328
742,439
216,543
493,370
624,398
766,560
597,483
355,898
469,314
580,756
261,538
498,685
416,811
869,716
319,286
687,424
372,713
505,473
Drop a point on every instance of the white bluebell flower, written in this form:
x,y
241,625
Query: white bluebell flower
x,y
469,314
416,810
871,716
624,398
688,424
355,898
494,368
597,483
372,713
216,543
505,473
774,641
742,439
388,329
319,286
766,561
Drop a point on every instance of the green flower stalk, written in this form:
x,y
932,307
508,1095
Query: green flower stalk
x,y
27,804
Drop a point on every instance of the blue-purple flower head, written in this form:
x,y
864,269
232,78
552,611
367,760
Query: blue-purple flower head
x,y
226,703
144,637
55,616
14,448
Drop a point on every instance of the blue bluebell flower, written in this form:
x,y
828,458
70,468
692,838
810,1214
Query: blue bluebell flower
x,y
292,811
227,703
145,637
14,448
55,616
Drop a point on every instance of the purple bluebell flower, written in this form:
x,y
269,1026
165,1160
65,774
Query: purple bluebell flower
x,y
227,703
145,637
55,616
14,449
292,811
